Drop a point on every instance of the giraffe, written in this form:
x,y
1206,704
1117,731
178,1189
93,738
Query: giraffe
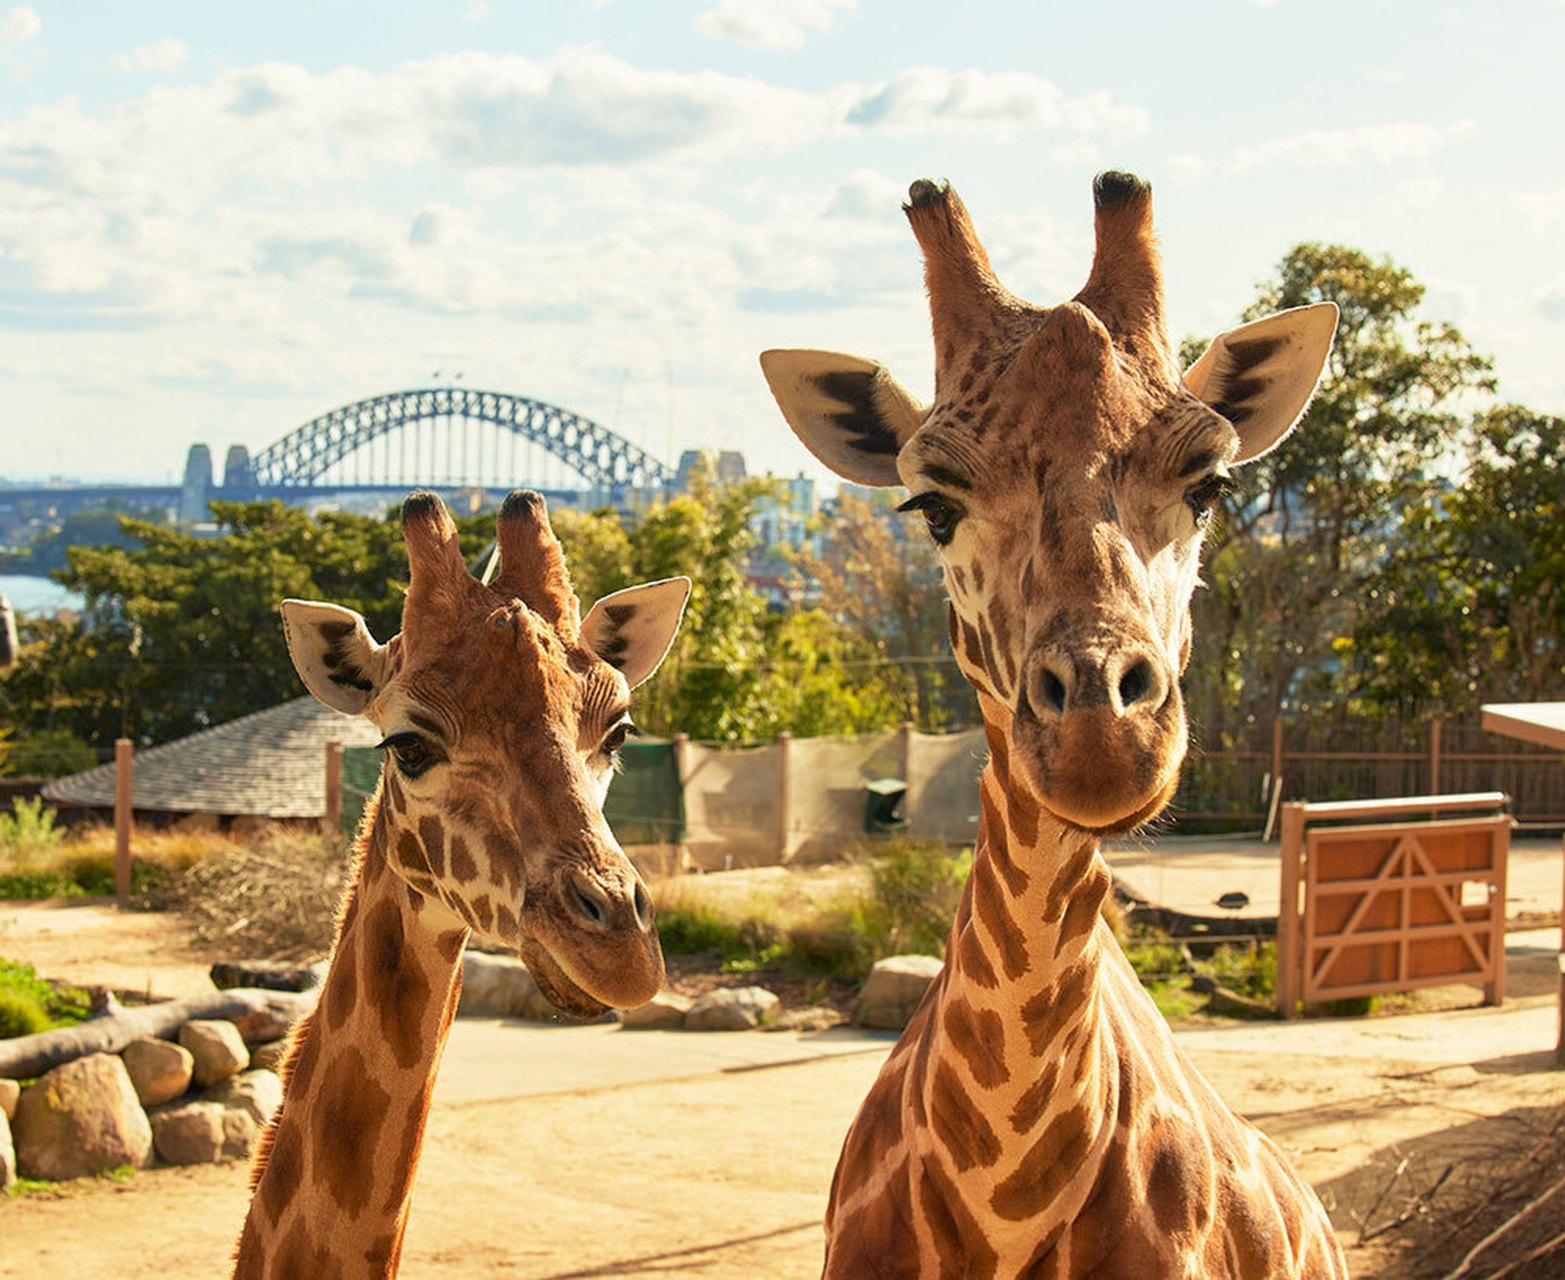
x,y
1036,1118
502,711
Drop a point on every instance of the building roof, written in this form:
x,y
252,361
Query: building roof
x,y
1540,722
270,764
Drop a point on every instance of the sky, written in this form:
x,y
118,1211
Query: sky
x,y
218,221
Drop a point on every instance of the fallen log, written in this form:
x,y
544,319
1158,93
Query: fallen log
x,y
259,1015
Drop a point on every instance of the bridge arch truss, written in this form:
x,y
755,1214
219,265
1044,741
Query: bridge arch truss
x,y
605,460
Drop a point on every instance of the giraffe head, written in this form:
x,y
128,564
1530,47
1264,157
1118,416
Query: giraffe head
x,y
1066,470
502,710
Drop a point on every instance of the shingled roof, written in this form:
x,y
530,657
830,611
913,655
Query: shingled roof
x,y
270,764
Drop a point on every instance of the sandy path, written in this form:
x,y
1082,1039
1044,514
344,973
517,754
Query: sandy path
x,y
560,1152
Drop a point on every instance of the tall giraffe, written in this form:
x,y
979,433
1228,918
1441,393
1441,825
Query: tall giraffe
x,y
1036,1118
502,711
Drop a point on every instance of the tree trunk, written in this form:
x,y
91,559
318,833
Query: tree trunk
x,y
259,1015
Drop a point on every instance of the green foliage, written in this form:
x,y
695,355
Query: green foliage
x,y
29,829
46,753
1469,604
1304,531
914,891
1245,970
28,1004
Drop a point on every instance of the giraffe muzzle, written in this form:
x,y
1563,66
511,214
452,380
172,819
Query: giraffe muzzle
x,y
1099,733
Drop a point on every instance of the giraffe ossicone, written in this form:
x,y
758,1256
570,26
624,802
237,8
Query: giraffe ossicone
x,y
501,710
1036,1118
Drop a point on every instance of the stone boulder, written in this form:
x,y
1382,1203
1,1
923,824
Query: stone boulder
x,y
10,1091
189,1134
501,987
815,1017
240,1132
732,1009
218,1049
893,990
79,1119
259,1093
267,975
664,1012
160,1071
269,1057
7,1155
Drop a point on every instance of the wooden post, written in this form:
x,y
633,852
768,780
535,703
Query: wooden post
x,y
1276,752
1434,756
1288,957
331,821
784,793
905,751
124,801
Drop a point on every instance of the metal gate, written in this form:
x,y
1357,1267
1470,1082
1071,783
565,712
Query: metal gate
x,y
1371,906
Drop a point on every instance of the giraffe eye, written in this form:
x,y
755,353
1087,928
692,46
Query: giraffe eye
x,y
412,753
939,515
1205,496
617,737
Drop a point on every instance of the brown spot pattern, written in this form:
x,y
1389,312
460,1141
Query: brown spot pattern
x,y
348,1116
978,1035
959,1124
1049,1163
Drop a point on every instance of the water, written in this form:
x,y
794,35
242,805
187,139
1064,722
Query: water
x,y
31,595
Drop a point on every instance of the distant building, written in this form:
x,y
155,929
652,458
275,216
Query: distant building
x,y
726,466
787,521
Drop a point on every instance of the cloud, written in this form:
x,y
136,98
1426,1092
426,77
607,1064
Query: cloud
x,y
158,57
774,26
1541,212
1551,305
1003,103
19,25
1379,144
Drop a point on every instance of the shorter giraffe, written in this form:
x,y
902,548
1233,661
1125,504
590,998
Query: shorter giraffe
x,y
502,711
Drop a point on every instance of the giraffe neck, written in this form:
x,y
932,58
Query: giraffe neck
x,y
1036,1118
1002,1092
334,1177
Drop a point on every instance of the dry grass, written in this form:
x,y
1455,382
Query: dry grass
x,y
274,900
82,863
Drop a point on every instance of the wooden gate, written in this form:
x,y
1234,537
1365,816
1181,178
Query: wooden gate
x,y
1372,906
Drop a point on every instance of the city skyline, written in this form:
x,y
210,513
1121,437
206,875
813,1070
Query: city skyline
x,y
217,224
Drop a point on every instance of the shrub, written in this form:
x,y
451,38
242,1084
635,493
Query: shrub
x,y
28,1004
28,830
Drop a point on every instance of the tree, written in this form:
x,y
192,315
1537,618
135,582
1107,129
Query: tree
x,y
879,576
1302,533
1469,605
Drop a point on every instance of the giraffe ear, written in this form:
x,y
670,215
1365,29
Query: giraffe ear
x,y
335,655
849,412
1261,375
632,630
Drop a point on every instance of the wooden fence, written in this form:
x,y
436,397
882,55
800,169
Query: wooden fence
x,y
1235,779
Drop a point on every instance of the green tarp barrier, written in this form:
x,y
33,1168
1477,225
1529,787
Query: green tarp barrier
x,y
644,805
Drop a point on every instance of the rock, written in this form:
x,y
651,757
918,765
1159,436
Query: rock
x,y
7,1155
160,1071
816,1017
218,1048
267,975
731,1009
259,1093
269,1057
240,1132
10,1091
893,990
81,1118
664,1012
189,1134
501,987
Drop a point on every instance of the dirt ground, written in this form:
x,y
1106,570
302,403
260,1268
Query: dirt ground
x,y
559,1152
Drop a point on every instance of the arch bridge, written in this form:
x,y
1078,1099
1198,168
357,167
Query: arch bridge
x,y
449,437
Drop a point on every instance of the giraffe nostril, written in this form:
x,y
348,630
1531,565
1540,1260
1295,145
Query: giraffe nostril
x,y
587,905
1054,692
643,904
1135,682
